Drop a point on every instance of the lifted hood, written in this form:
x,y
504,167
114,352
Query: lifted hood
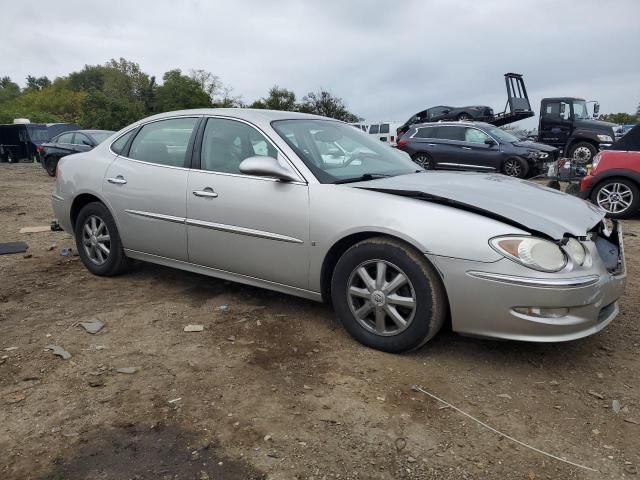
x,y
526,205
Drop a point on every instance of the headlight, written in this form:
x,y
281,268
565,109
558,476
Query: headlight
x,y
543,155
605,138
531,252
576,251
596,160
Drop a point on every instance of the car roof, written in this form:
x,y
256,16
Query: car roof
x,y
459,123
249,114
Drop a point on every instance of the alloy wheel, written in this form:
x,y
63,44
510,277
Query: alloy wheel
x,y
423,161
512,168
381,297
96,240
615,197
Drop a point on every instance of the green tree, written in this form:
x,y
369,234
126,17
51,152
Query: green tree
x,y
621,118
37,84
326,104
278,99
9,90
180,91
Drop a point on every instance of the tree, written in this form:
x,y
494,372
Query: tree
x,y
621,118
180,91
278,99
324,103
37,84
9,90
638,111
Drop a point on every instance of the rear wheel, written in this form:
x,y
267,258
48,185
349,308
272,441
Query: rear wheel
x,y
582,152
98,241
424,160
515,167
388,296
619,197
50,164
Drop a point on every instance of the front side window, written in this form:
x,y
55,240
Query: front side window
x,y
164,142
226,143
81,139
374,129
65,138
580,110
426,132
335,152
384,128
473,135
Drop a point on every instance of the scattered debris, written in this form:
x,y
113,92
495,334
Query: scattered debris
x,y
596,394
232,338
267,438
65,251
635,421
98,382
55,226
51,247
175,400
194,328
15,398
13,247
479,422
555,383
92,326
38,229
127,370
222,308
504,395
616,406
27,255
61,352
10,349
400,443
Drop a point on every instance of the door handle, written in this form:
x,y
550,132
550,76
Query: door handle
x,y
119,180
206,192
466,148
431,144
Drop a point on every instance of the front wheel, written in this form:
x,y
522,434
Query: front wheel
x,y
388,296
424,160
515,167
50,165
619,197
98,241
583,152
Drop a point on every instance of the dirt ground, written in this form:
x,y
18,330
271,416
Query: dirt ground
x,y
273,387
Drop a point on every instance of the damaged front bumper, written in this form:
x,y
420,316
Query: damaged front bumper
x,y
496,300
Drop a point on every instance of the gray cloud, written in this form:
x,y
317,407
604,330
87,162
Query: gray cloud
x,y
386,59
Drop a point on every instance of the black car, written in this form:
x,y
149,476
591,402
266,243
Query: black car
x,y
479,113
474,146
20,141
67,143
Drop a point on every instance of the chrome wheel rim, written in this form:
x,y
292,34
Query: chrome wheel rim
x,y
615,197
582,154
512,168
96,240
381,298
423,161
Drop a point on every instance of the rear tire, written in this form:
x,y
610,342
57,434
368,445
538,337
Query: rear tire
x,y
395,307
515,167
50,164
582,152
424,160
98,241
619,197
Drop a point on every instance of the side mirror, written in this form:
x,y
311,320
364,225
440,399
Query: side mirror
x,y
596,109
261,166
490,141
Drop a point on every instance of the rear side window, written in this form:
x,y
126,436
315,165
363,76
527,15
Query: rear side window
x,y
384,128
164,142
119,144
65,138
374,128
426,132
450,133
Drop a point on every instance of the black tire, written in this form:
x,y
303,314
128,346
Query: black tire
x,y
116,261
583,152
50,164
599,193
11,158
424,160
430,304
515,167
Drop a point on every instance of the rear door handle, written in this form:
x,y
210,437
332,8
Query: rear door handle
x,y
205,192
119,180
466,148
431,144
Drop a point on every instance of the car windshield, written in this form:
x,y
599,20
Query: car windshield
x,y
100,137
580,111
501,135
336,152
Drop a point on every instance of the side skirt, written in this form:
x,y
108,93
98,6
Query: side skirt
x,y
224,275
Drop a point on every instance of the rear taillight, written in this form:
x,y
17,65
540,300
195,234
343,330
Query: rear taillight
x,y
392,138
402,142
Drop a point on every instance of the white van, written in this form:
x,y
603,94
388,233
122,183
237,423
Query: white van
x,y
385,131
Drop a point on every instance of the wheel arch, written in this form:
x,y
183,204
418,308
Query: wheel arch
x,y
83,199
616,175
574,141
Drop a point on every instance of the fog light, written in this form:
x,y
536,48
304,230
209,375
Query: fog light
x,y
542,312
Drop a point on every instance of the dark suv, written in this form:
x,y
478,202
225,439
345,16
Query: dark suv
x,y
474,146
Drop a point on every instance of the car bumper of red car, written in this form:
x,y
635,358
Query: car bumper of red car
x,y
586,185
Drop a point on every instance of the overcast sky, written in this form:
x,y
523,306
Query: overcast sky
x,y
386,59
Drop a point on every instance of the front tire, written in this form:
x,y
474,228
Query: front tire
x,y
424,160
98,241
582,152
515,167
619,197
388,296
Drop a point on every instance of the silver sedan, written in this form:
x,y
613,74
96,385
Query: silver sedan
x,y
312,207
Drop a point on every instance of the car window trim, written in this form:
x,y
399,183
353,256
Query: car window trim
x,y
196,163
127,147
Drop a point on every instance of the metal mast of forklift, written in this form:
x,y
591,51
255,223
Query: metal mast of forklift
x,y
517,106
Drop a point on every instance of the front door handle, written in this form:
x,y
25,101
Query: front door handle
x,y
431,144
119,180
205,192
466,148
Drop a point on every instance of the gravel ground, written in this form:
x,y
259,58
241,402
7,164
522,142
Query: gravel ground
x,y
273,387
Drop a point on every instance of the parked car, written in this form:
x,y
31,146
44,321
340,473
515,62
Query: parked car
x,y
440,113
614,180
246,195
384,131
474,146
67,143
621,130
19,141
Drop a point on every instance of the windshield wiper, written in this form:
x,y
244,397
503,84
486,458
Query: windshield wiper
x,y
363,178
